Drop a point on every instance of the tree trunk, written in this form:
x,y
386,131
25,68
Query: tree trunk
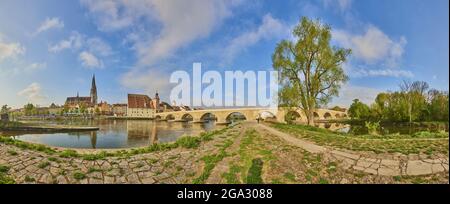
x,y
310,116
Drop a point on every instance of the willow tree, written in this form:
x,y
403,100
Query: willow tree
x,y
310,69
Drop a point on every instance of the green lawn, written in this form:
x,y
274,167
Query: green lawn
x,y
422,142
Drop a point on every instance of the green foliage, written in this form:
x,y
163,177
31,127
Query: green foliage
x,y
5,109
372,127
411,103
310,69
359,110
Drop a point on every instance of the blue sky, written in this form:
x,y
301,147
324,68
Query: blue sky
x,y
49,49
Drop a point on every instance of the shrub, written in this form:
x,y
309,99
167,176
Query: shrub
x,y
188,142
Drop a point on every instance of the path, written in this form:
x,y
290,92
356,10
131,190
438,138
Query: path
x,y
400,165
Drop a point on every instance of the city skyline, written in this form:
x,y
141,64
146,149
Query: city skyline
x,y
132,47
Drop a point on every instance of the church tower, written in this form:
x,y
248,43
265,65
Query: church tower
x,y
93,91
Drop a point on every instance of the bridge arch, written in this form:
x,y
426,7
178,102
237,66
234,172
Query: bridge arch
x,y
327,115
208,117
170,117
316,116
187,117
337,115
292,116
235,116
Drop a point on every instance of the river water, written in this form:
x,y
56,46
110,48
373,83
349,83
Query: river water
x,y
117,134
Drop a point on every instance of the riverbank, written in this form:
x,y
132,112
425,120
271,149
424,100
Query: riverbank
x,y
31,127
426,143
243,153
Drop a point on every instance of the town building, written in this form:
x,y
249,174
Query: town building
x,y
83,102
119,109
104,108
140,106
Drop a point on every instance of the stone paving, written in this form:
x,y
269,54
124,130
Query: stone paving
x,y
378,164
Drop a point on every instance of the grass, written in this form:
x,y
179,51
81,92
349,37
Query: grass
x,y
53,159
4,169
93,169
43,164
12,152
254,172
29,179
26,145
230,176
289,176
79,176
211,161
406,144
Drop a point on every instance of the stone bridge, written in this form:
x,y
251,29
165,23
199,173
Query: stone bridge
x,y
223,116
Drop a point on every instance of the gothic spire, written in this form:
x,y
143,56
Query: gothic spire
x,y
93,91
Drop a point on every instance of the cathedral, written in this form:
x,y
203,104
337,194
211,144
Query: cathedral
x,y
87,101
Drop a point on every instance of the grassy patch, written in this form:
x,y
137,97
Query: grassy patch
x,y
230,176
29,179
43,164
68,153
25,145
4,169
79,176
254,172
12,152
93,169
53,159
289,176
211,161
406,144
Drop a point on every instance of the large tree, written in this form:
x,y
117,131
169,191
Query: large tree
x,y
310,69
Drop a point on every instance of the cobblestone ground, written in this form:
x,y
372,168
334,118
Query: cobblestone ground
x,y
283,161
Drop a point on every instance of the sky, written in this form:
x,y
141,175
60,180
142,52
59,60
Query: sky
x,y
49,49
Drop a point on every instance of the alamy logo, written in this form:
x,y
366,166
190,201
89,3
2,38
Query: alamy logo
x,y
230,89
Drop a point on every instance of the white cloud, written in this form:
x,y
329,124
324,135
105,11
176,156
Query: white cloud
x,y
33,93
75,41
178,22
269,28
149,81
98,46
10,50
373,46
48,24
383,72
343,5
89,60
349,92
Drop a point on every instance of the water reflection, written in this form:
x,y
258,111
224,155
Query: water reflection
x,y
117,134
